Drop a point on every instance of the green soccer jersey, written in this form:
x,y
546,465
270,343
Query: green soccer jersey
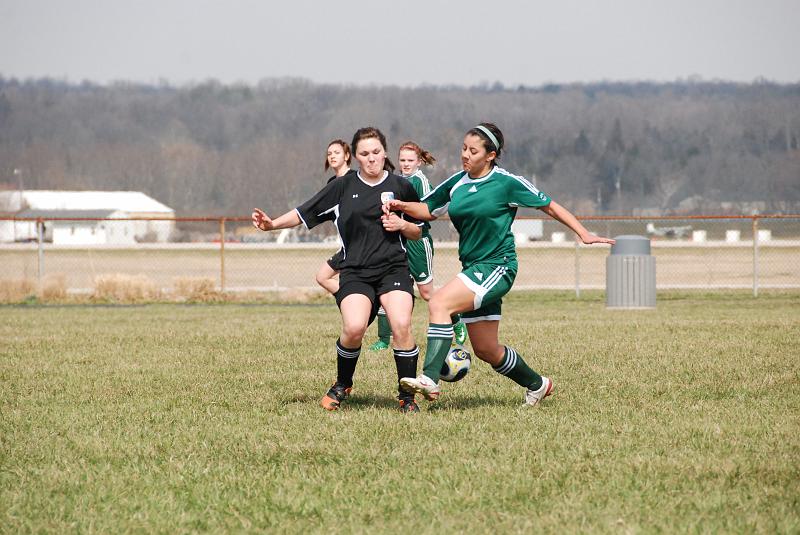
x,y
482,210
422,186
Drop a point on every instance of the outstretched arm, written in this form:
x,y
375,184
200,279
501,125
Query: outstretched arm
x,y
562,215
262,221
417,210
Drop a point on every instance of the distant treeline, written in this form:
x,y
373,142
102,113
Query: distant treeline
x,y
214,149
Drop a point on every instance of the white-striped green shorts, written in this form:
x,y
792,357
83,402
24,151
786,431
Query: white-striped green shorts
x,y
489,283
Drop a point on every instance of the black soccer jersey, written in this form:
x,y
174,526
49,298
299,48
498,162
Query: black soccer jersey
x,y
354,206
334,177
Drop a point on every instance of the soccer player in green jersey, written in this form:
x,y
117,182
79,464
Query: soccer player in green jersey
x,y
411,157
482,201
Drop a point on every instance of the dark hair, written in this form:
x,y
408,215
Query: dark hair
x,y
372,132
345,148
424,156
488,144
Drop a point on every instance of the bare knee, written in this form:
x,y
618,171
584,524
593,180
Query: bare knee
x,y
353,332
425,291
331,284
438,306
401,328
491,352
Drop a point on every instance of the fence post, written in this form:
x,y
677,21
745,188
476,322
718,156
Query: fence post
x,y
222,254
40,239
755,257
577,269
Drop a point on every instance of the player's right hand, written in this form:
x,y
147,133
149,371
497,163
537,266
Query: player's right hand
x,y
261,220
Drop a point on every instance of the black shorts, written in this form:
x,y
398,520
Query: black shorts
x,y
353,281
336,260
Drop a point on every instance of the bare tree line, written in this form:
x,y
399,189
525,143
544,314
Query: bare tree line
x,y
213,149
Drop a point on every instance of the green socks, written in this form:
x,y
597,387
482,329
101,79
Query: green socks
x,y
440,336
515,368
384,329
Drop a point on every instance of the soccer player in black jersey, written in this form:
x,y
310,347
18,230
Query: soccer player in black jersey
x,y
373,268
337,158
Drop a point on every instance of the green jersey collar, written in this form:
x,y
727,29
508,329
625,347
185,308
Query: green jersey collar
x,y
487,176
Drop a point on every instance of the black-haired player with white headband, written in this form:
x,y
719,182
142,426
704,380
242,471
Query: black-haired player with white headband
x,y
373,267
482,201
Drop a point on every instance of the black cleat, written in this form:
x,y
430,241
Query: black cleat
x,y
333,399
408,405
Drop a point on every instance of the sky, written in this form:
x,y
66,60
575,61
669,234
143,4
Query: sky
x,y
408,43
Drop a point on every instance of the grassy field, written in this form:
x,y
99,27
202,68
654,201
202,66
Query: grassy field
x,y
193,418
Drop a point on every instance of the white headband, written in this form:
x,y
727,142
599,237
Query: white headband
x,y
489,135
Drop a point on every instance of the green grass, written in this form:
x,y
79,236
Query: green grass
x,y
175,419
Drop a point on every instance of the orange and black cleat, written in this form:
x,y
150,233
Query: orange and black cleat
x,y
335,396
408,405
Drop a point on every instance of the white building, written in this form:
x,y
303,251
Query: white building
x,y
81,217
526,230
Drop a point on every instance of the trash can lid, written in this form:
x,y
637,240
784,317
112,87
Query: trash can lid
x,y
631,245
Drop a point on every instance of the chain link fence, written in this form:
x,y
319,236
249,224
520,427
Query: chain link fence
x,y
75,256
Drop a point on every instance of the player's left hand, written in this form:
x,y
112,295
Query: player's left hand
x,y
591,238
261,220
392,222
392,205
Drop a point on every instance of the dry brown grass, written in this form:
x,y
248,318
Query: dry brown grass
x,y
121,288
16,290
196,289
540,266
125,288
53,288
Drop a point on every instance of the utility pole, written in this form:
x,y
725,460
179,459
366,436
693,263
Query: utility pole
x,y
599,199
618,181
18,174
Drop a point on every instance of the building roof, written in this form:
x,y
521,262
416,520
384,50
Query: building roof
x,y
76,214
131,202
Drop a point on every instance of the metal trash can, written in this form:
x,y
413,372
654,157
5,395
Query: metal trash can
x,y
630,274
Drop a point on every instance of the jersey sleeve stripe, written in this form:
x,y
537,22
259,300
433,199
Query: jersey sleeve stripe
x,y
301,218
426,184
439,212
522,180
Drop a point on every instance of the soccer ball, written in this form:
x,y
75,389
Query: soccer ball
x,y
456,364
